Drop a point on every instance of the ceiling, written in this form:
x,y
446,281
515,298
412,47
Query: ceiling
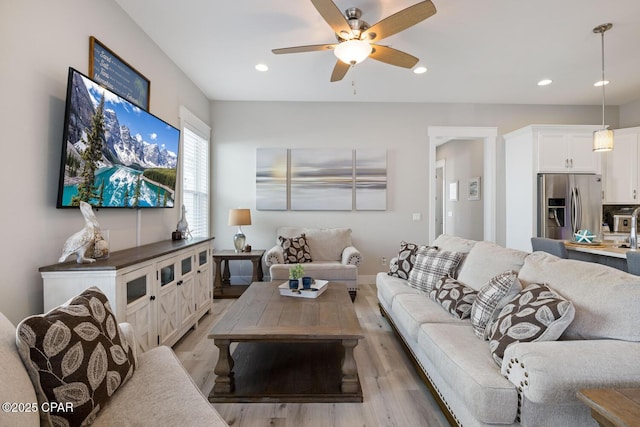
x,y
476,51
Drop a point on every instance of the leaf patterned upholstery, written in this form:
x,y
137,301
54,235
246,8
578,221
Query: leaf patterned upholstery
x,y
75,354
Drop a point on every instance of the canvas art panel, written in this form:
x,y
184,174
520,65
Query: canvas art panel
x,y
321,179
371,179
271,179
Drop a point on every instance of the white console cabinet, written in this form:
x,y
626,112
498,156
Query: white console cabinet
x,y
162,289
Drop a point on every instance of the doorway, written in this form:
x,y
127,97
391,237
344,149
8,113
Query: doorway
x,y
440,198
439,135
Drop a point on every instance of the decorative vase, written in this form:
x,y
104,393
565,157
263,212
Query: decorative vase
x,y
306,282
293,283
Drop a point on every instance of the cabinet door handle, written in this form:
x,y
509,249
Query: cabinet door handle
x,y
571,163
634,194
566,163
152,298
199,271
179,282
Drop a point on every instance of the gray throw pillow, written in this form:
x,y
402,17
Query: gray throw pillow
x,y
490,300
405,260
537,313
431,266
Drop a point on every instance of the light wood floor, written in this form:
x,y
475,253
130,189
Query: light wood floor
x,y
393,392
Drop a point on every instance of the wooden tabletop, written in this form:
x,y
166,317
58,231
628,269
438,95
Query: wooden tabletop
x,y
613,407
262,314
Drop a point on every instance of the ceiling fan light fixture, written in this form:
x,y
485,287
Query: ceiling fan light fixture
x,y
420,70
353,52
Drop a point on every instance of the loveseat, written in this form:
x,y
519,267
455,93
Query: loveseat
x,y
325,253
536,382
160,392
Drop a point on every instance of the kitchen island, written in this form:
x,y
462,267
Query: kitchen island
x,y
607,253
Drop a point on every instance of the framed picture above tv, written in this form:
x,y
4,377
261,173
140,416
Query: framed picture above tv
x,y
114,154
111,71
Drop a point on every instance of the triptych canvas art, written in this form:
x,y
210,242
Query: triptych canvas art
x,y
321,179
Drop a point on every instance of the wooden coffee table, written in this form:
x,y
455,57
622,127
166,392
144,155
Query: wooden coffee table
x,y
613,407
290,349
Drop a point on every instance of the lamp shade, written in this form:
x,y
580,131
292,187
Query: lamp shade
x,y
353,51
239,217
603,140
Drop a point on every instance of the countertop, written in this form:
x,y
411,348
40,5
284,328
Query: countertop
x,y
606,248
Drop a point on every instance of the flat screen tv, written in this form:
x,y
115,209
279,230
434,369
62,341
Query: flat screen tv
x,y
114,154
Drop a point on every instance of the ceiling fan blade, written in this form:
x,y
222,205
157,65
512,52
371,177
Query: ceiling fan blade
x,y
330,12
392,56
339,71
400,21
299,49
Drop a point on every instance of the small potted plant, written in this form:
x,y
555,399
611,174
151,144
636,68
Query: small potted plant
x,y
295,274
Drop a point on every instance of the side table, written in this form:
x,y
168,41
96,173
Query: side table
x,y
613,407
221,283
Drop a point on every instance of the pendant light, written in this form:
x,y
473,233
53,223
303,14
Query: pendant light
x,y
603,138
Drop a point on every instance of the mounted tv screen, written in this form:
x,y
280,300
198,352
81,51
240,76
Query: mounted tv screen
x,y
114,154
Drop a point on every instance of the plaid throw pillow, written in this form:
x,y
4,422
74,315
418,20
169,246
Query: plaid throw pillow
x,y
490,300
406,259
295,249
455,297
537,313
431,266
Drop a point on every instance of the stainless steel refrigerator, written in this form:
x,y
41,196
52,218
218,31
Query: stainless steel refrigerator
x,y
568,203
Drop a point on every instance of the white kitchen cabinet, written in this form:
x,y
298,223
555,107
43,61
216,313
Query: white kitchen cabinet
x,y
162,289
621,177
567,151
541,149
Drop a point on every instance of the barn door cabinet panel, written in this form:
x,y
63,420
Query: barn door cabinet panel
x,y
162,289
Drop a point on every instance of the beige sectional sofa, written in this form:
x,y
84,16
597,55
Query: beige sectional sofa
x,y
160,392
537,382
333,256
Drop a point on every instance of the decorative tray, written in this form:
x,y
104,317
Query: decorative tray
x,y
316,290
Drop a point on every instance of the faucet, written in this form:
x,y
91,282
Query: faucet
x,y
633,235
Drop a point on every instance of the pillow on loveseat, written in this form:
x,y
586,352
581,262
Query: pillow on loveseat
x,y
431,266
295,249
454,296
75,354
537,313
405,260
490,300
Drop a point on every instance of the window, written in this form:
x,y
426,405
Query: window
x,y
195,172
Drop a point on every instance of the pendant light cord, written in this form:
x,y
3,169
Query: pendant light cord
x,y
603,81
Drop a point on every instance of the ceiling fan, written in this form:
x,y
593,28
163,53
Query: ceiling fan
x,y
356,38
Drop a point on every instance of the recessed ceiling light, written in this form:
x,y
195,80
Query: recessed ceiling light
x,y
261,67
420,70
601,83
545,82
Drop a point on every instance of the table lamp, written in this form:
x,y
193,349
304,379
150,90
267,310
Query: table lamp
x,y
239,217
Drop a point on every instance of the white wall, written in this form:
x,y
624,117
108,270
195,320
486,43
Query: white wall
x,y
630,115
463,217
39,40
400,128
